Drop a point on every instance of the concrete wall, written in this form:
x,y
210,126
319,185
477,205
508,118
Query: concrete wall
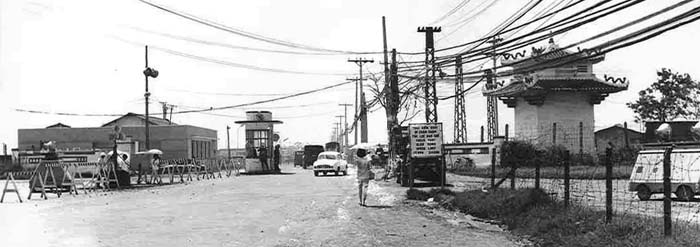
x,y
567,110
617,137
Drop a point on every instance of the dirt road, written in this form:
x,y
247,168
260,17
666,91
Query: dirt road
x,y
294,209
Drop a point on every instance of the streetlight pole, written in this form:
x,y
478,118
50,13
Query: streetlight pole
x,y
228,142
148,72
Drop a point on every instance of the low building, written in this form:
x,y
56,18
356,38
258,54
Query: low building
x,y
616,135
176,141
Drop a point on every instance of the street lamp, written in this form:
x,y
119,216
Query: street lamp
x,y
148,72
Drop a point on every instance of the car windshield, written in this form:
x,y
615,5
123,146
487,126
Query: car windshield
x,y
327,157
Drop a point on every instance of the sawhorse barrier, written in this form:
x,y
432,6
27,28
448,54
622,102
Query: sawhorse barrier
x,y
10,178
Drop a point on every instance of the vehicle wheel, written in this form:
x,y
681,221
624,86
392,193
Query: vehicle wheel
x,y
684,193
315,173
324,173
337,171
643,192
345,172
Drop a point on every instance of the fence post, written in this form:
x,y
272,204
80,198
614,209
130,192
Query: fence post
x,y
482,134
512,178
667,192
627,140
608,185
537,174
580,143
554,134
506,132
567,180
493,166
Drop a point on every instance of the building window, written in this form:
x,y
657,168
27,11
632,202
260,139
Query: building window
x,y
201,149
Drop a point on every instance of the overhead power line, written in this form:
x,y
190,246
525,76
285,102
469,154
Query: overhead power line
x,y
230,64
189,111
250,35
225,45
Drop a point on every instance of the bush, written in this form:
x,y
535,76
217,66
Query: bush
x,y
518,153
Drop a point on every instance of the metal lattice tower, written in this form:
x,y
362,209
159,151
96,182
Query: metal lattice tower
x,y
430,69
460,128
491,101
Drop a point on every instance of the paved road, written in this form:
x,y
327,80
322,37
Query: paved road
x,y
296,209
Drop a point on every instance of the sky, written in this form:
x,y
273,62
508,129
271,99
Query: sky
x,y
82,56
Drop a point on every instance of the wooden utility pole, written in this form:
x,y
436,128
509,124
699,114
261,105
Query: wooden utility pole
x,y
340,126
360,96
345,132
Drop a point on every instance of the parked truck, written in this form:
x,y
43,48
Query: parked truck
x,y
647,175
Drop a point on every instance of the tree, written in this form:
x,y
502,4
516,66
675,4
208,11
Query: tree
x,y
672,96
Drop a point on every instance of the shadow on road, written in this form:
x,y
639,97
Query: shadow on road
x,y
429,184
269,173
378,206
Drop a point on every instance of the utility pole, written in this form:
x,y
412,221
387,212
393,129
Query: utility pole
x,y
340,126
492,101
357,115
431,100
148,72
360,94
460,128
228,142
346,123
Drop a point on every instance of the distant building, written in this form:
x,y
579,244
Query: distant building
x,y
176,141
616,135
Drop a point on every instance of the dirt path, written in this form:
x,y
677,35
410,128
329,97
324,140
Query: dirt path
x,y
296,209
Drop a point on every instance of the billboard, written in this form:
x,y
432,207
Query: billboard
x,y
426,140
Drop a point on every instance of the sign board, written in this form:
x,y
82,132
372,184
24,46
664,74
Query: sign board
x,y
426,140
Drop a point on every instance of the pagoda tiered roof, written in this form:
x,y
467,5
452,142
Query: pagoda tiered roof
x,y
534,76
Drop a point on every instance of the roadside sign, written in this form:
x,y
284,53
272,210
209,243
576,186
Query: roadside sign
x,y
426,140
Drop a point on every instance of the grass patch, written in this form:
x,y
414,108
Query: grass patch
x,y
576,172
531,213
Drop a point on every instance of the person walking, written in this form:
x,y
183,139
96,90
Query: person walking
x,y
364,174
276,157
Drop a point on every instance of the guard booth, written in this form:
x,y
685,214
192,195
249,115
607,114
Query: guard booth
x,y
259,139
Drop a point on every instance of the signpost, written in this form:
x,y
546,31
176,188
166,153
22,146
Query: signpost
x,y
426,147
426,140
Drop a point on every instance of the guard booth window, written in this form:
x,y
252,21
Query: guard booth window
x,y
257,137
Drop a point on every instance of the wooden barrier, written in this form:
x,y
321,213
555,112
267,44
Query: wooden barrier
x,y
10,179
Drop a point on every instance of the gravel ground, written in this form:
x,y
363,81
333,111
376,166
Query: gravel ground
x,y
293,209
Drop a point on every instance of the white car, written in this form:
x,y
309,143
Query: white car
x,y
330,162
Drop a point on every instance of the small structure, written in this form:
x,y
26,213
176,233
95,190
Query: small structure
x,y
259,129
616,135
554,86
175,140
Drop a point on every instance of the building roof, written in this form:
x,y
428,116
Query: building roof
x,y
58,125
552,53
151,120
618,126
526,85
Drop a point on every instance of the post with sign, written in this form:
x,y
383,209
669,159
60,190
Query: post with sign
x,y
426,147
